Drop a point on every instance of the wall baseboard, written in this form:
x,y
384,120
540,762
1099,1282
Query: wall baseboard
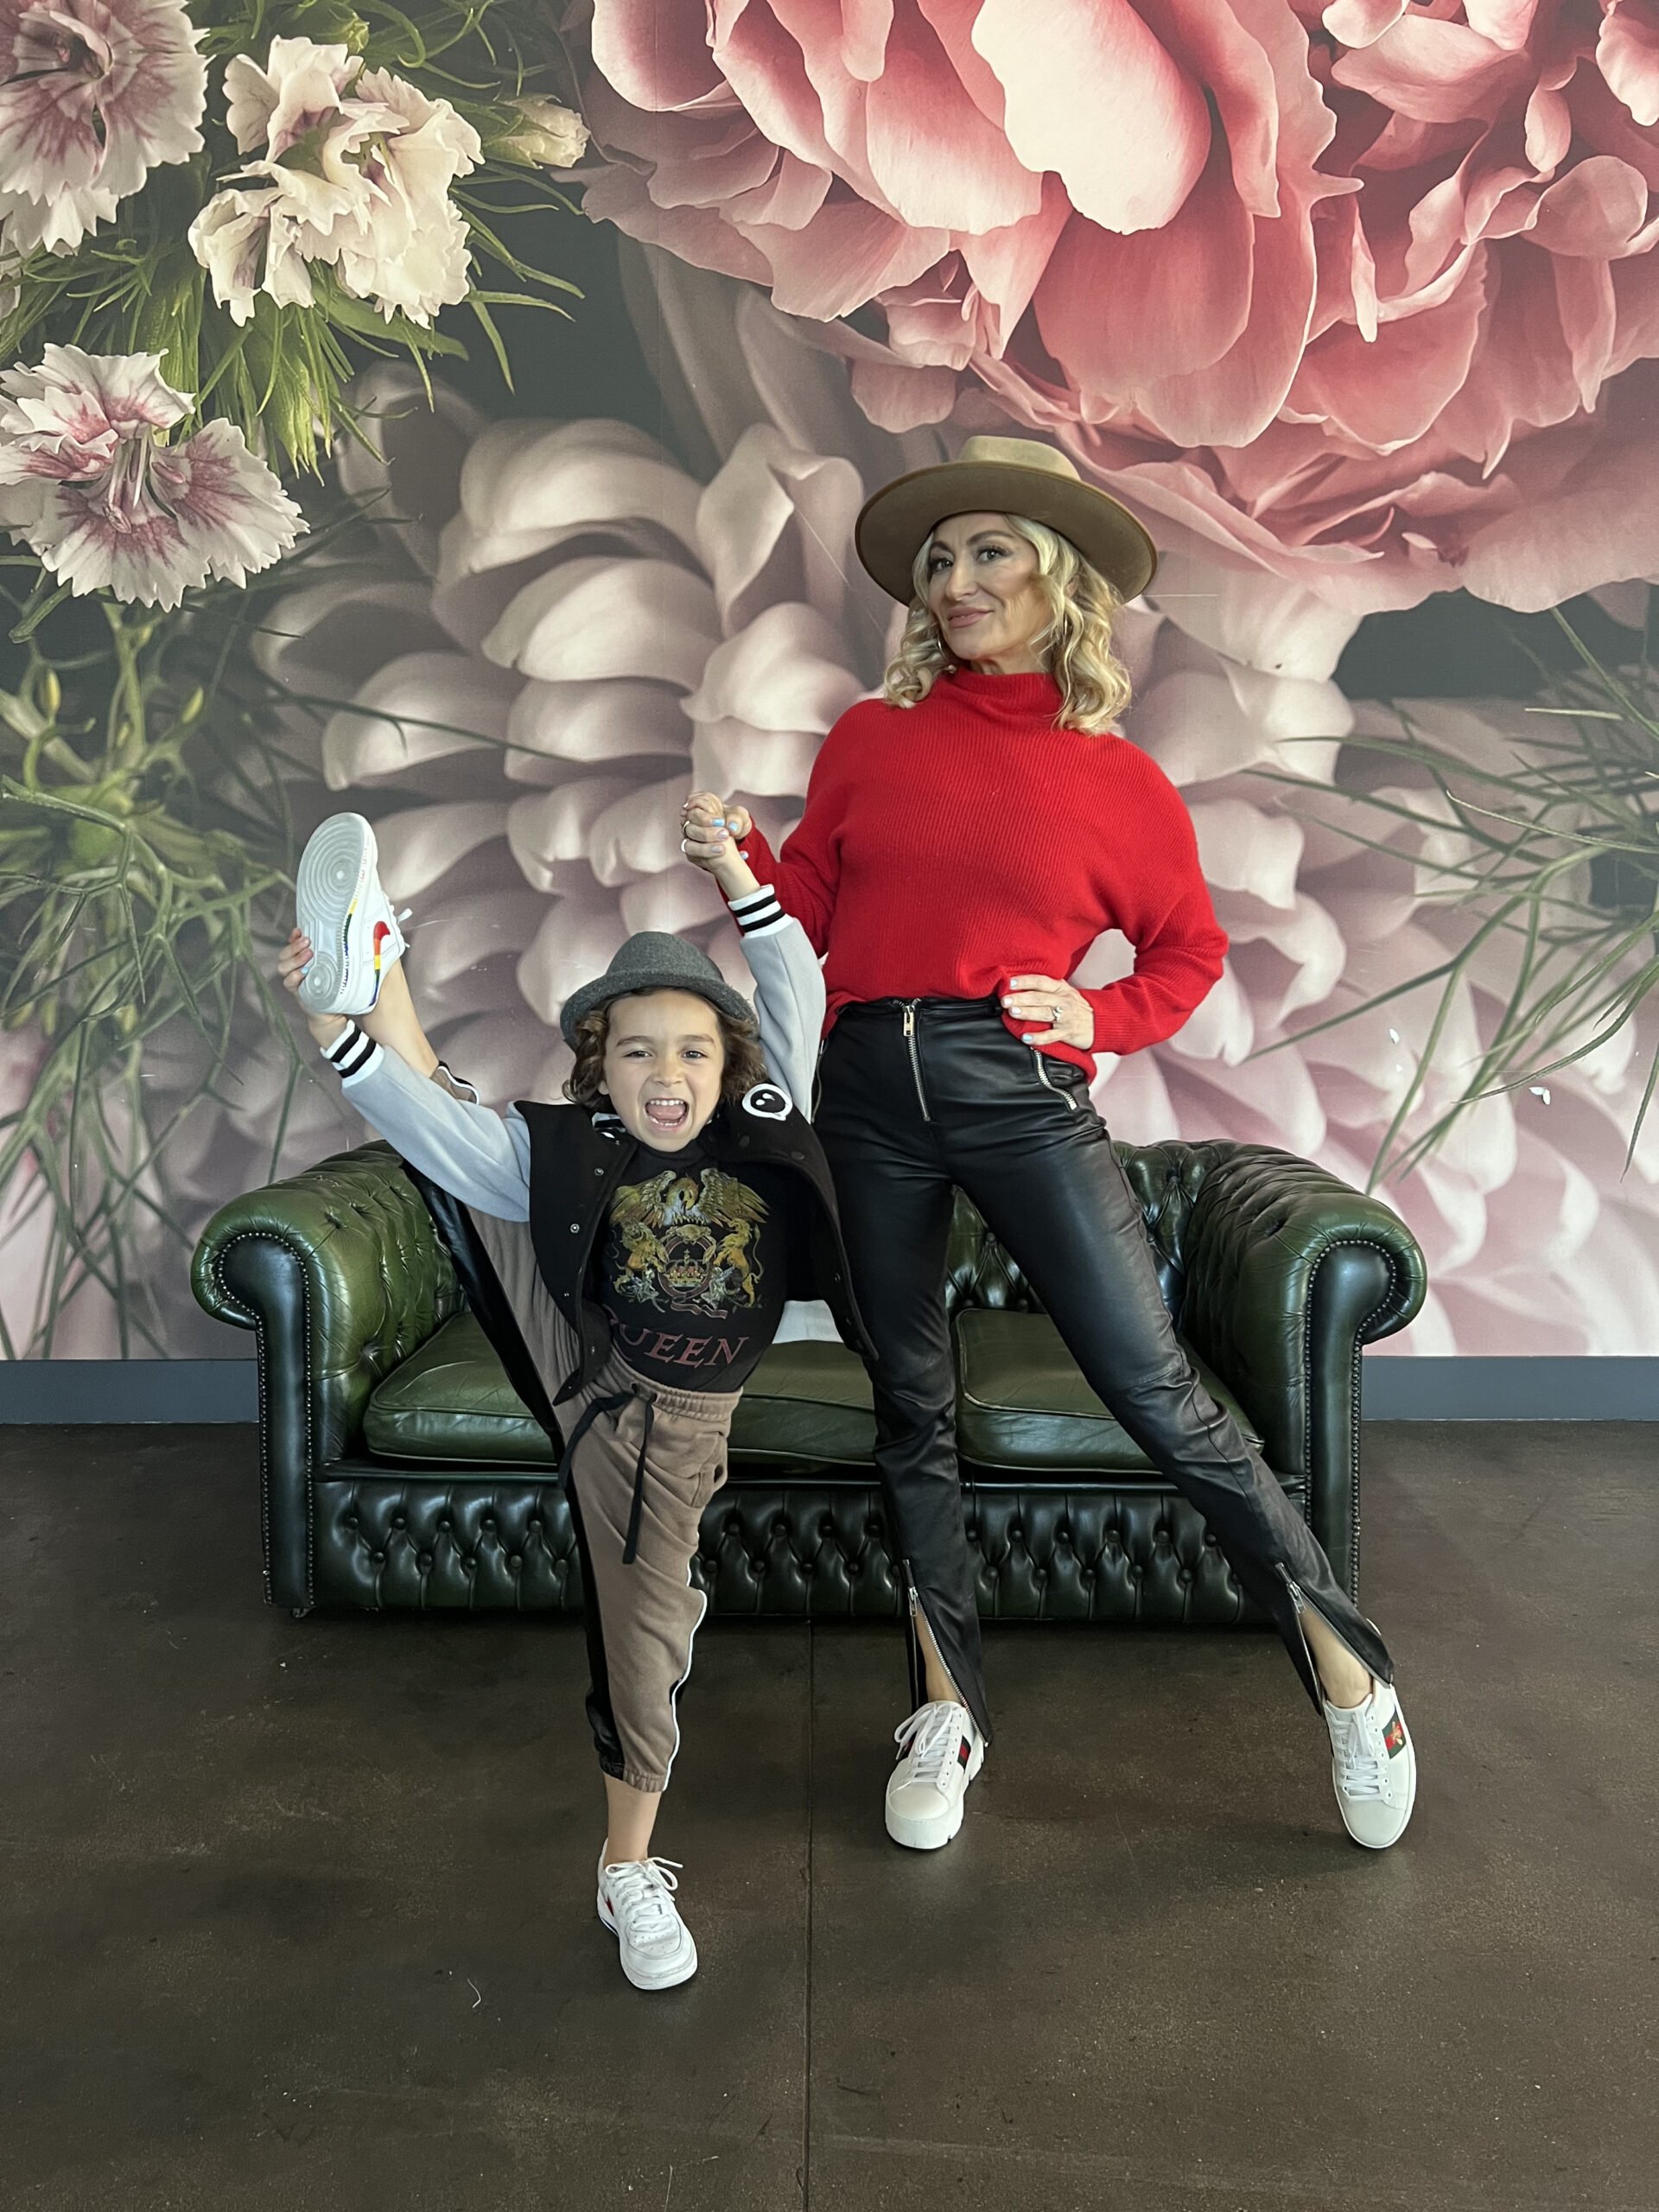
x,y
117,1391
109,1392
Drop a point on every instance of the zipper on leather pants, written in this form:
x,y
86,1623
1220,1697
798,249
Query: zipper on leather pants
x,y
915,1058
1302,1604
1044,1077
1299,1605
918,1615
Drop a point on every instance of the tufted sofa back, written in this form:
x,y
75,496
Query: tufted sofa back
x,y
1166,1179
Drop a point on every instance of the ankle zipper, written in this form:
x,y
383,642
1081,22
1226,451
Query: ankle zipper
x,y
915,1062
1299,1605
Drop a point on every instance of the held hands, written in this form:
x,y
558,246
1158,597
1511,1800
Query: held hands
x,y
291,964
710,832
1046,999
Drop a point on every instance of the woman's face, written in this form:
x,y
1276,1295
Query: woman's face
x,y
664,1058
983,594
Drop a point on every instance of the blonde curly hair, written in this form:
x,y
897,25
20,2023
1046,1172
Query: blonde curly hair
x,y
1077,640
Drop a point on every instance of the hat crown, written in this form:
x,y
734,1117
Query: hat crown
x,y
1017,452
652,952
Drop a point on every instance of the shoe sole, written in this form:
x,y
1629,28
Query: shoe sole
x,y
933,1836
667,1977
336,869
1386,1843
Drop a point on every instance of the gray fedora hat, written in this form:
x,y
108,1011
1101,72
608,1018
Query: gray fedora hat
x,y
651,960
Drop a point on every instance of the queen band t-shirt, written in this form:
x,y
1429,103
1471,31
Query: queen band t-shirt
x,y
691,1267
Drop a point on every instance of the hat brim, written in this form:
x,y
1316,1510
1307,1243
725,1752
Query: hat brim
x,y
896,521
604,990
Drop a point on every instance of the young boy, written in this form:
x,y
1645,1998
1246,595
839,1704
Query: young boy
x,y
628,1255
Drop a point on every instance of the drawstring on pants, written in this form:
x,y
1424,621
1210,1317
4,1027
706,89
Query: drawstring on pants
x,y
614,1405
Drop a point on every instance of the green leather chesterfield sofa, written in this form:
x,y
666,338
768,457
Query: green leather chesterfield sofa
x,y
398,1468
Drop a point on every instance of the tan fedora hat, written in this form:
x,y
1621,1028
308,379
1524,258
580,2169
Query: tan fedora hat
x,y
1007,476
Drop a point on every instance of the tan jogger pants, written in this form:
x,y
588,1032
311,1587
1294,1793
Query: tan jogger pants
x,y
642,1611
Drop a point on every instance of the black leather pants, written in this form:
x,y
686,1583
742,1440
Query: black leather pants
x,y
917,1096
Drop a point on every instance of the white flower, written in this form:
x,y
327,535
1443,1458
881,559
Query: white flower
x,y
250,242
551,134
407,251
86,479
352,169
93,94
295,100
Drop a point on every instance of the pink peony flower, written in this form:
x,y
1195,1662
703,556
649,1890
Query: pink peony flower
x,y
1366,299
93,94
86,479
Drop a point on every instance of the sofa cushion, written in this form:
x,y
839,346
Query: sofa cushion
x,y
451,1400
1022,1404
807,1402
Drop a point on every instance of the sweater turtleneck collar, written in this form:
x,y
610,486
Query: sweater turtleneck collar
x,y
1020,696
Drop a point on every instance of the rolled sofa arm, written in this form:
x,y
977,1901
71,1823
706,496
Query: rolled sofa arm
x,y
341,1275
1289,1271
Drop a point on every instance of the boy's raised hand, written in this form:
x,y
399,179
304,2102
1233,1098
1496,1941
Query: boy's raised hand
x,y
291,964
293,960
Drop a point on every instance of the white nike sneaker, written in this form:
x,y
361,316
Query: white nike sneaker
x,y
342,909
940,1752
1373,1767
636,1903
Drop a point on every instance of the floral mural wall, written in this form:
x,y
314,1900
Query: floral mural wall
x,y
1356,305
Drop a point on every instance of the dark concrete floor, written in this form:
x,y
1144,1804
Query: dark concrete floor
x,y
301,1913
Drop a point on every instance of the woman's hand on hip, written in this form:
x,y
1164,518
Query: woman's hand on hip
x,y
1046,999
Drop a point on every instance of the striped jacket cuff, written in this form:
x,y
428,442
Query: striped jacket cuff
x,y
353,1054
757,913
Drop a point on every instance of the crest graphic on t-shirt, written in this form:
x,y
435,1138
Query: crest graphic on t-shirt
x,y
687,1241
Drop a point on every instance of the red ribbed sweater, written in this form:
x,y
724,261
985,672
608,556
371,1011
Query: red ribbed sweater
x,y
948,846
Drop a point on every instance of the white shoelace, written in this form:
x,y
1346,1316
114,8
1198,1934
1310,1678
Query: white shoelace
x,y
641,1890
931,1736
1360,1768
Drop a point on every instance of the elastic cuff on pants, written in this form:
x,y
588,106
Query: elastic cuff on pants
x,y
652,1784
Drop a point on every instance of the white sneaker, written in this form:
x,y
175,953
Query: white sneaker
x,y
1374,1767
636,1903
940,1752
342,909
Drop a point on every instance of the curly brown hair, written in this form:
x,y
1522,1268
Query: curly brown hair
x,y
742,1068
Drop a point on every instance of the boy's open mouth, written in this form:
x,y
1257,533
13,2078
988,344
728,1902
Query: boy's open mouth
x,y
667,1114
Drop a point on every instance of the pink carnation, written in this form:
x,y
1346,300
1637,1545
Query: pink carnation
x,y
93,95
1366,299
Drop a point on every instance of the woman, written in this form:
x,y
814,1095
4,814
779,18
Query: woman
x,y
966,838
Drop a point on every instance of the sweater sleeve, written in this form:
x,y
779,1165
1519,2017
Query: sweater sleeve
x,y
1179,946
806,873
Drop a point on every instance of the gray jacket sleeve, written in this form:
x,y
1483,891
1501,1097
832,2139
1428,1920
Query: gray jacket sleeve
x,y
479,1157
789,994
790,1001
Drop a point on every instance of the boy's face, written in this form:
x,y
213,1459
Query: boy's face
x,y
664,1059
